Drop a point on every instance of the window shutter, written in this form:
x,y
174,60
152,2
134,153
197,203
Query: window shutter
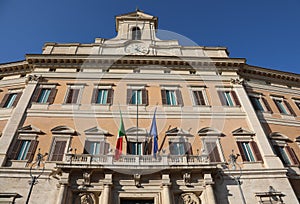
x,y
199,99
290,108
172,150
188,148
130,147
52,95
16,149
240,146
36,94
58,151
278,107
202,101
256,151
3,102
235,98
17,99
75,96
292,155
95,95
110,93
144,97
222,98
31,150
70,96
106,148
163,97
179,97
129,96
267,105
213,152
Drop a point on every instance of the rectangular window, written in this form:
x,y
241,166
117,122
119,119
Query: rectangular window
x,y
256,103
212,151
58,150
72,97
229,98
171,97
135,148
279,104
137,96
96,148
10,100
286,155
24,150
102,96
249,151
199,98
44,95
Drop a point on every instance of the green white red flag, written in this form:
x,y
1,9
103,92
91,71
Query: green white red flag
x,y
121,133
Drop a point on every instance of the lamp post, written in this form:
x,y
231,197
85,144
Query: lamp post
x,y
233,164
39,164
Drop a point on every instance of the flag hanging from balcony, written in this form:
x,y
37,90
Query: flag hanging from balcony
x,y
121,133
153,132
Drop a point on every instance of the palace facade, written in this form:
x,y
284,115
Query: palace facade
x,y
227,131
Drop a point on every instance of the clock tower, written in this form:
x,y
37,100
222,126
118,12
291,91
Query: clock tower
x,y
136,25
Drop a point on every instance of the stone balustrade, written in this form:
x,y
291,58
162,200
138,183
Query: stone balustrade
x,y
135,160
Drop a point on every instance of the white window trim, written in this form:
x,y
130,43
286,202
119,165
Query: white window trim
x,y
260,96
203,90
74,86
215,139
55,138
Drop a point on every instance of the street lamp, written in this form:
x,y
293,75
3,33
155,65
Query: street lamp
x,y
39,164
233,164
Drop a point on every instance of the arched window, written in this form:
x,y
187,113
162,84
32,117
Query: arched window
x,y
136,33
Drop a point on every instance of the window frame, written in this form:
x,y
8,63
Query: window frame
x,y
138,136
283,106
263,103
143,94
228,97
109,96
70,87
51,97
136,33
247,137
202,90
178,135
6,97
177,94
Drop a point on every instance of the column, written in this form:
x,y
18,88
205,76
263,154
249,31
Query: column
x,y
105,195
269,157
209,192
16,118
62,193
166,194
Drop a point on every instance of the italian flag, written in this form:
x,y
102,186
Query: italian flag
x,y
121,133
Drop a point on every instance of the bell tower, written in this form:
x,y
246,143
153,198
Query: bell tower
x,y
136,25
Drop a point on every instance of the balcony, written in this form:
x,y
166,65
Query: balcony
x,y
140,161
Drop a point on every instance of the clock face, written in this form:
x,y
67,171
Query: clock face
x,y
137,49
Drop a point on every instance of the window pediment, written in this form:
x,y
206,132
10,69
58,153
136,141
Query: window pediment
x,y
209,131
242,132
30,129
97,131
63,130
278,136
178,132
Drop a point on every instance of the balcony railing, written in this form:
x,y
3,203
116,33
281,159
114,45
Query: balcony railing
x,y
135,160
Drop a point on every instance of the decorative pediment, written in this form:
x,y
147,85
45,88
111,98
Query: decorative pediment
x,y
63,130
279,136
134,131
97,131
30,129
241,131
209,131
178,132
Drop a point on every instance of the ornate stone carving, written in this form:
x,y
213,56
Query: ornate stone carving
x,y
237,81
187,178
137,180
87,198
190,198
86,178
34,77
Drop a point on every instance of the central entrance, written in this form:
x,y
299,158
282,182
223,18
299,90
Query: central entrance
x,y
130,201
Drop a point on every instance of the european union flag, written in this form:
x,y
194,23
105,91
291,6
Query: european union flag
x,y
153,132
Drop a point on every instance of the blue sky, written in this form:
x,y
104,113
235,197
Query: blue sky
x,y
266,33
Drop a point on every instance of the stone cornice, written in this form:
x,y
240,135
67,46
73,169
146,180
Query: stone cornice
x,y
172,62
13,68
269,75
